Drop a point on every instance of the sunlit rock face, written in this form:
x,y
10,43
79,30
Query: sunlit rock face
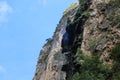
x,y
51,58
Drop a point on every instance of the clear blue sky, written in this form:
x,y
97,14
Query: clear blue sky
x,y
24,27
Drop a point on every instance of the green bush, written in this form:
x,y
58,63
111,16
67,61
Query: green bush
x,y
84,76
87,75
86,14
90,67
79,56
114,18
76,76
115,3
116,76
91,63
114,15
115,53
82,2
102,6
115,71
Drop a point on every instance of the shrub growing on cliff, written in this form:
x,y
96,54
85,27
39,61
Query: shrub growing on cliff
x,y
114,19
76,76
115,71
114,15
115,53
86,14
90,67
87,75
114,3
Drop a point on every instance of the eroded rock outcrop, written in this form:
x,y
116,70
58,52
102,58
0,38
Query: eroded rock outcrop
x,y
51,59
85,40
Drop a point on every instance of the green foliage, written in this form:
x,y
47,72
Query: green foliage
x,y
115,3
84,76
115,53
68,21
102,6
114,18
90,63
87,75
116,76
79,56
86,14
110,17
115,71
90,67
82,2
83,7
76,76
114,15
81,14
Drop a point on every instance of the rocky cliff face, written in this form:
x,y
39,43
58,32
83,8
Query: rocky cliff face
x,y
85,45
51,59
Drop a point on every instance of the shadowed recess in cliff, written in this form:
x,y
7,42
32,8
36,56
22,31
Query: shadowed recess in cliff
x,y
73,36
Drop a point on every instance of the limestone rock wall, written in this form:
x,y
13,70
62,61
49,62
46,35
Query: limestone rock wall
x,y
51,59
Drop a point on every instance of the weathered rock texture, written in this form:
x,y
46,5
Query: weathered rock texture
x,y
51,59
96,29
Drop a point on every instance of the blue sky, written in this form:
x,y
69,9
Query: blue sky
x,y
24,27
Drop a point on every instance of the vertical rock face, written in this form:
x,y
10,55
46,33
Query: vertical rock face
x,y
51,59
99,31
92,28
